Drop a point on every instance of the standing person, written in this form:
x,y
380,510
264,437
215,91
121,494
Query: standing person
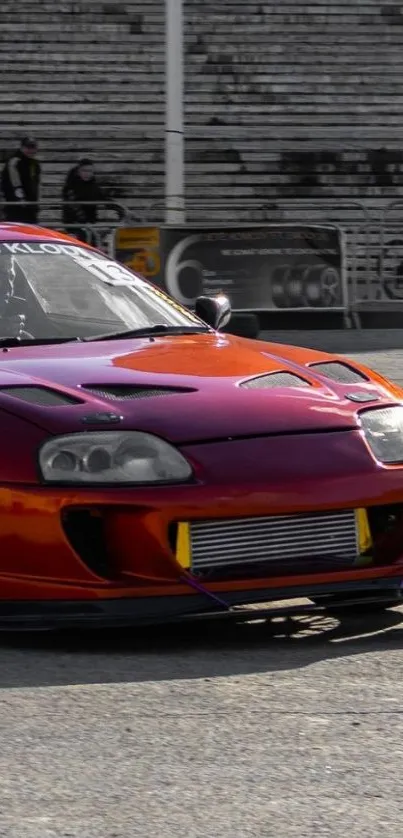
x,y
20,183
81,186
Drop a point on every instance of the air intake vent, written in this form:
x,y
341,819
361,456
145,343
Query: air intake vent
x,y
123,393
275,379
86,534
40,395
338,371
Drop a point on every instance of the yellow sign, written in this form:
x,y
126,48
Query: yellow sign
x,y
139,249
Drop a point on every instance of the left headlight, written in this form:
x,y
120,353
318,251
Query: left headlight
x,y
383,430
112,457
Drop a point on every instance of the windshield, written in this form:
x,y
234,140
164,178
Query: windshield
x,y
54,290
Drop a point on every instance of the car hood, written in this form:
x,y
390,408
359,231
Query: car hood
x,y
183,388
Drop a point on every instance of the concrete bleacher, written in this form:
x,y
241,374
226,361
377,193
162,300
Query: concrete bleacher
x,y
302,110
287,105
87,78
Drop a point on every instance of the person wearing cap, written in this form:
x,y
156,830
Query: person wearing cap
x,y
81,196
20,182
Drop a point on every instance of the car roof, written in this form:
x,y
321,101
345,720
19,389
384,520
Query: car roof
x,y
31,232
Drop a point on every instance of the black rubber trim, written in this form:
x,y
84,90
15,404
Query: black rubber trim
x,y
62,614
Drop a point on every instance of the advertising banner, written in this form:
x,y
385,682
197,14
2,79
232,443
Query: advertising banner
x,y
139,249
260,268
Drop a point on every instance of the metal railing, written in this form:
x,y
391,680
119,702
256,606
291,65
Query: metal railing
x,y
391,254
361,233
374,238
99,234
47,205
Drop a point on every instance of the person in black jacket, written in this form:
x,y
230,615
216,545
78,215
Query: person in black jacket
x,y
81,186
20,182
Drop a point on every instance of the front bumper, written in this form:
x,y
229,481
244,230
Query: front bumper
x,y
110,556
154,611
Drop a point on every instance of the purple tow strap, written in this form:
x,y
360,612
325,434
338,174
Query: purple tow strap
x,y
202,590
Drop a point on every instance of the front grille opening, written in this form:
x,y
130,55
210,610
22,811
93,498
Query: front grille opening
x,y
383,519
251,548
273,545
84,529
122,392
43,396
172,536
338,371
386,525
275,379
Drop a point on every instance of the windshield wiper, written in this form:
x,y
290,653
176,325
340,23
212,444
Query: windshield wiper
x,y
151,331
6,342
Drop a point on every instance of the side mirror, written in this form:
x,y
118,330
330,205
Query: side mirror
x,y
215,311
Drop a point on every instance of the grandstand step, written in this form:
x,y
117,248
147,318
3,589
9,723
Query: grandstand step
x,y
287,105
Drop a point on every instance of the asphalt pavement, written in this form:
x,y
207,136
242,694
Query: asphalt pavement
x,y
289,729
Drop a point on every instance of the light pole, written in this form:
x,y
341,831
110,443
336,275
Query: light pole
x,y
174,122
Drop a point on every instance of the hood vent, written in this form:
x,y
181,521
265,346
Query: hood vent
x,y
40,396
337,371
275,379
123,392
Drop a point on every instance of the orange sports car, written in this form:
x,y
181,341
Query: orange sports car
x,y
155,469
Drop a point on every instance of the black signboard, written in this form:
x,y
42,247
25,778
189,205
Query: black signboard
x,y
265,268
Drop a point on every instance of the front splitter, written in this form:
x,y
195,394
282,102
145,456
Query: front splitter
x,y
153,611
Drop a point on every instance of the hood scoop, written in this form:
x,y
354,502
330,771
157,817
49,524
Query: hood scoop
x,y
128,392
275,379
43,396
339,372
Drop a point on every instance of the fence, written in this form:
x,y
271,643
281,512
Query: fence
x,y
373,237
99,235
265,267
391,255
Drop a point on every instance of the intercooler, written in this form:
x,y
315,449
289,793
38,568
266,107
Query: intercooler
x,y
241,541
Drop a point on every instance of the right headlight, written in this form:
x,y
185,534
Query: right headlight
x,y
112,457
383,429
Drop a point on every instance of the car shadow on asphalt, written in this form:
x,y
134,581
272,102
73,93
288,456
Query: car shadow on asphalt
x,y
189,651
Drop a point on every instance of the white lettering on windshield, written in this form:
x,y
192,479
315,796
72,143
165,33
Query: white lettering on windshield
x,y
104,270
40,248
50,248
16,247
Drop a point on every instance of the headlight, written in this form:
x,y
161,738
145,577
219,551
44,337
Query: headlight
x,y
383,430
112,457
